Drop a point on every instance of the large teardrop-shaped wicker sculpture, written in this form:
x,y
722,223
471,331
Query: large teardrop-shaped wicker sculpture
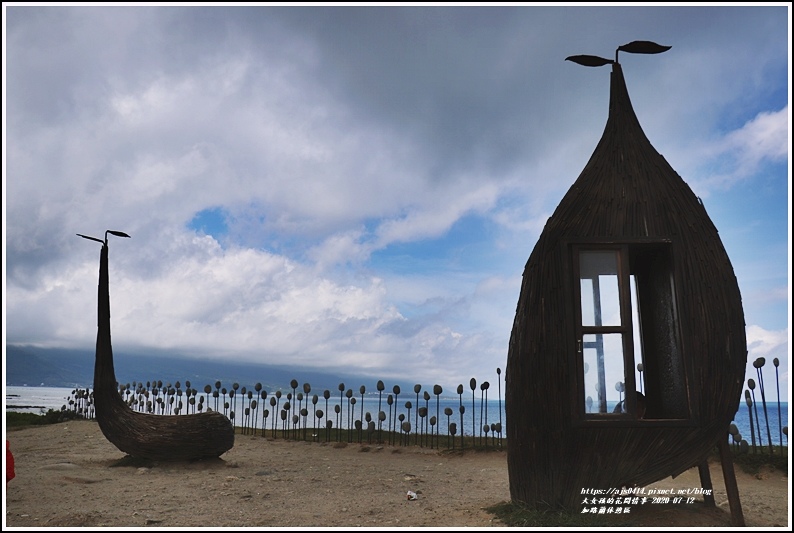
x,y
631,203
143,435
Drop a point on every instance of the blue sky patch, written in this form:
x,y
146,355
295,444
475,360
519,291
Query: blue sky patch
x,y
211,222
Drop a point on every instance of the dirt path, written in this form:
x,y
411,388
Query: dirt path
x,y
69,475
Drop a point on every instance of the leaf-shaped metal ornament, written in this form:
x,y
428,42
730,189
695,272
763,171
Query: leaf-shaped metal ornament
x,y
643,47
589,61
90,238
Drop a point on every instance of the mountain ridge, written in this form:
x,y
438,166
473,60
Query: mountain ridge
x,y
64,367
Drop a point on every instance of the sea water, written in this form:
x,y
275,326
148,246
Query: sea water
x,y
37,400
477,412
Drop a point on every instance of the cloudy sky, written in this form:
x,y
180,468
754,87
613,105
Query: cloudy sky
x,y
358,189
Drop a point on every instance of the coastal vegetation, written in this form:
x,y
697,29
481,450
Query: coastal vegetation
x,y
51,416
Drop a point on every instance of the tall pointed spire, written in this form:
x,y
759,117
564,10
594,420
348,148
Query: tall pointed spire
x,y
622,125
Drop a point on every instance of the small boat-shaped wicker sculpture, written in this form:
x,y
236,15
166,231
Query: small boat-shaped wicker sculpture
x,y
142,435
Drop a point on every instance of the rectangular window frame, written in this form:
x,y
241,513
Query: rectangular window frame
x,y
626,329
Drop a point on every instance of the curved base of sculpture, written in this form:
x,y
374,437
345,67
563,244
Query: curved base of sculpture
x,y
163,437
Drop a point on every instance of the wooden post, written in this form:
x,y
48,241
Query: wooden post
x,y
737,517
705,483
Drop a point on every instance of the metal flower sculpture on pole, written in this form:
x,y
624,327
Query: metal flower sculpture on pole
x,y
776,362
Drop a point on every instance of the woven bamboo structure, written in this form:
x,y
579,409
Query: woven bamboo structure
x,y
626,194
143,435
